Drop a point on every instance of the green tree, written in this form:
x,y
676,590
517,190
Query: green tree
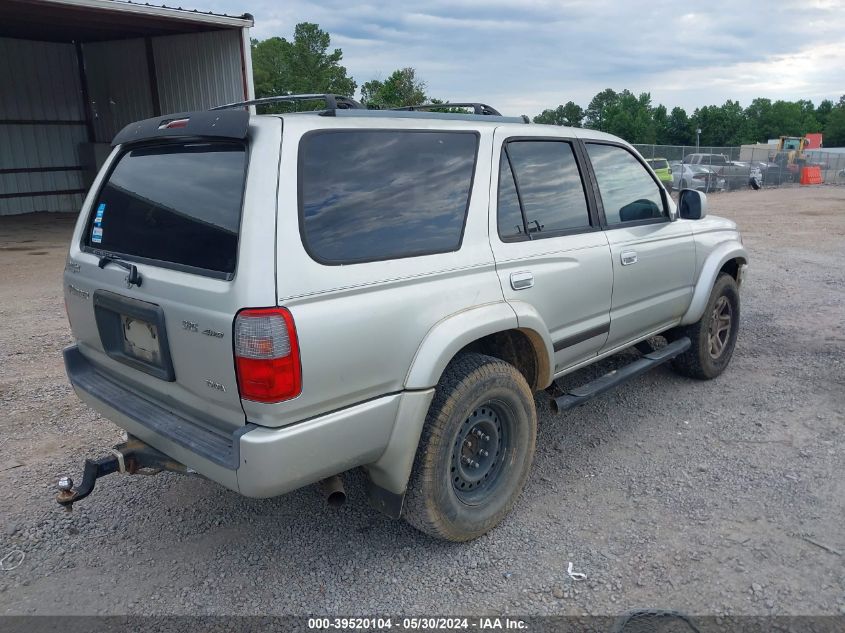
x,y
269,69
630,117
661,124
402,88
595,115
570,115
757,117
303,65
823,112
721,126
834,129
678,128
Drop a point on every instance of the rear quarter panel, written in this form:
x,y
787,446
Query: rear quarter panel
x,y
360,325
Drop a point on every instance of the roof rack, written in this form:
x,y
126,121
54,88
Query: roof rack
x,y
477,108
422,114
333,102
338,105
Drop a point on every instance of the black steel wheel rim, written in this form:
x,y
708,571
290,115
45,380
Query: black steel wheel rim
x,y
481,448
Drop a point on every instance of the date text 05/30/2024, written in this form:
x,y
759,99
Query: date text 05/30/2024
x,y
417,624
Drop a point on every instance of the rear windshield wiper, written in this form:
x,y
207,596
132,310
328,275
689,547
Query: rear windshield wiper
x,y
132,279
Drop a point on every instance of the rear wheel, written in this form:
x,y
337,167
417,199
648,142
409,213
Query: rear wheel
x,y
713,336
475,452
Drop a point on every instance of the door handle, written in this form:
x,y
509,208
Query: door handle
x,y
522,280
629,257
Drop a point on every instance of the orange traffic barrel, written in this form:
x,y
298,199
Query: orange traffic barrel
x,y
811,175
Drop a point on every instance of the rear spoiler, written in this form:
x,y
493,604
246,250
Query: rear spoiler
x,y
231,124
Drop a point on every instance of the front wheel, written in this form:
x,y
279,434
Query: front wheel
x,y
475,451
713,336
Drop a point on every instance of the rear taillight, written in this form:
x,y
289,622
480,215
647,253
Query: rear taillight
x,y
267,355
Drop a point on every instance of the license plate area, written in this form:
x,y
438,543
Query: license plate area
x,y
133,332
140,340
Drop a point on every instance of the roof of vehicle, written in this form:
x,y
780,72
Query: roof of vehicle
x,y
232,120
339,106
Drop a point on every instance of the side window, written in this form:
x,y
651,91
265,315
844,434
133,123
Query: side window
x,y
509,220
628,192
550,196
370,195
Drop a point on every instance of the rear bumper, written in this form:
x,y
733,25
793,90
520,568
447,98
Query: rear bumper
x,y
254,461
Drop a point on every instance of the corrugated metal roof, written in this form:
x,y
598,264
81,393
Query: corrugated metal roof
x,y
161,10
244,16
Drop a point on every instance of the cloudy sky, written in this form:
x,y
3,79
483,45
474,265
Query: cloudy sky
x,y
525,55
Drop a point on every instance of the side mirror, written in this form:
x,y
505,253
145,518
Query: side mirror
x,y
692,204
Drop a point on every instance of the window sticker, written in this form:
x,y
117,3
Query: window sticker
x,y
97,230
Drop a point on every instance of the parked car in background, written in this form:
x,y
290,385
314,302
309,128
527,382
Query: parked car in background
x,y
772,174
737,174
663,170
696,177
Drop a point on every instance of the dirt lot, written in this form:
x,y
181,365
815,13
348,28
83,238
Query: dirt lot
x,y
724,497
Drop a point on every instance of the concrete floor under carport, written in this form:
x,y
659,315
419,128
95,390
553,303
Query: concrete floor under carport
x,y
74,72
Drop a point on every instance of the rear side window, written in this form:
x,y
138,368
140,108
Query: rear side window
x,y
550,192
369,195
175,204
509,215
628,191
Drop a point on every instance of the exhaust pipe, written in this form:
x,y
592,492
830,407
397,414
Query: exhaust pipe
x,y
333,491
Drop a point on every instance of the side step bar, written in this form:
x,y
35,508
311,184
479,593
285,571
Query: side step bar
x,y
580,395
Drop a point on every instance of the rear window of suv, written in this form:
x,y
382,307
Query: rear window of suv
x,y
177,205
657,163
371,195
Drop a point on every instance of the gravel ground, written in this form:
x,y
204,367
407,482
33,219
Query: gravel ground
x,y
722,497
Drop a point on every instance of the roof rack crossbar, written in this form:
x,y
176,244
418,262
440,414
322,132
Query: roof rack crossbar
x,y
477,108
332,101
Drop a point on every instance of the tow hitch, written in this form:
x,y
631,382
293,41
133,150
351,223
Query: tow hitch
x,y
133,457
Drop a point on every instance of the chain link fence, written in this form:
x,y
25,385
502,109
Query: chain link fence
x,y
713,169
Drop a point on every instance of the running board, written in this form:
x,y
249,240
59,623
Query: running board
x,y
582,394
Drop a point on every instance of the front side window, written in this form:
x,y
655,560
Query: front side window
x,y
628,192
550,197
369,195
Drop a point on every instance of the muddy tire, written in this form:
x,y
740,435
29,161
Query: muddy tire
x,y
713,336
475,452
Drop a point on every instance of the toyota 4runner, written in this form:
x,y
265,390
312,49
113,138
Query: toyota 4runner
x,y
270,301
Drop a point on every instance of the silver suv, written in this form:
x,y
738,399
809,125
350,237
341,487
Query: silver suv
x,y
269,301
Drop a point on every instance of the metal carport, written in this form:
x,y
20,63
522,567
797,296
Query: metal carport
x,y
74,72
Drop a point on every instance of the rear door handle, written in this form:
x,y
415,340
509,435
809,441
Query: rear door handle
x,y
629,257
522,280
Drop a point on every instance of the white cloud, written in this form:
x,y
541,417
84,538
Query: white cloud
x,y
525,56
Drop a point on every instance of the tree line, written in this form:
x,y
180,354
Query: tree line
x,y
636,119
305,64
